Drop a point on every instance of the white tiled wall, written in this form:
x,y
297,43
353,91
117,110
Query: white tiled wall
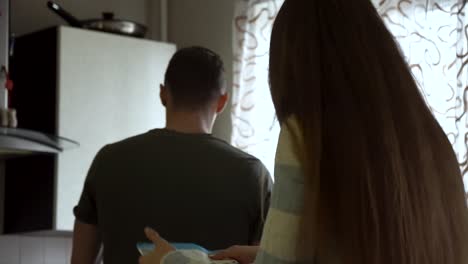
x,y
34,250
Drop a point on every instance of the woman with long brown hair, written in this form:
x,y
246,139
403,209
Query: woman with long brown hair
x,y
365,174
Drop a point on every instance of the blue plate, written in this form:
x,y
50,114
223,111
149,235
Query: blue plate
x,y
145,248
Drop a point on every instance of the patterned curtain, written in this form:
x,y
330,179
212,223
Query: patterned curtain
x,y
255,128
433,35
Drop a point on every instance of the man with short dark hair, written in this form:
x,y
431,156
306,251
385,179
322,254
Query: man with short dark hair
x,y
180,180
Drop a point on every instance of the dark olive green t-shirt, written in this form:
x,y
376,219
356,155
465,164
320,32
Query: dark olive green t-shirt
x,y
189,187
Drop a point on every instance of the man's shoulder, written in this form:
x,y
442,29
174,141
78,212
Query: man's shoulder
x,y
234,152
133,140
127,144
245,163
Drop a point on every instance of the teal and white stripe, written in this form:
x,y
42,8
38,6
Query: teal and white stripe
x,y
280,234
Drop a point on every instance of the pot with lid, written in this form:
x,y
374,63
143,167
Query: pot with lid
x,y
107,23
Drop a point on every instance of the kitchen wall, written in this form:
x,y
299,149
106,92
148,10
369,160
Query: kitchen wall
x,y
191,22
31,15
207,23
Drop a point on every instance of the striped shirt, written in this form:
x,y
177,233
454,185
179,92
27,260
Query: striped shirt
x,y
280,234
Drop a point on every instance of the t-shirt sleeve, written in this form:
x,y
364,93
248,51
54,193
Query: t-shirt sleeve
x,y
86,210
265,187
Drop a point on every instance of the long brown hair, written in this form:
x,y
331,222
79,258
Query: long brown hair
x,y
382,181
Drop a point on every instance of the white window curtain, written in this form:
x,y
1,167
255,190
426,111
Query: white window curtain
x,y
433,37
255,128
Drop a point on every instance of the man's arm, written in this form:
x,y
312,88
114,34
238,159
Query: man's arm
x,y
265,185
86,243
86,235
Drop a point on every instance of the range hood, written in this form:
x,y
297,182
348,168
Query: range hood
x,y
18,142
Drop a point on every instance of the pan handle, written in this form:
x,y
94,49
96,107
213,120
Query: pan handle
x,y
71,20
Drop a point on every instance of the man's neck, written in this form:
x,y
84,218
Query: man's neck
x,y
190,122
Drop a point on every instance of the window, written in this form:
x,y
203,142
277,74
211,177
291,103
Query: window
x,y
432,38
255,127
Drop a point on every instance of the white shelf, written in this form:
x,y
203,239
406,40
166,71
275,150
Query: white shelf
x,y
19,142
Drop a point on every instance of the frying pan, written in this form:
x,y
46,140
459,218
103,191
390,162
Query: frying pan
x,y
107,23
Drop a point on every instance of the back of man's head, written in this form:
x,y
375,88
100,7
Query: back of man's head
x,y
195,78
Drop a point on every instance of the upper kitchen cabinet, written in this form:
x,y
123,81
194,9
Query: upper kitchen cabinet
x,y
96,88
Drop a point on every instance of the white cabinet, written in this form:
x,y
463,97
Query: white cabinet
x,y
108,90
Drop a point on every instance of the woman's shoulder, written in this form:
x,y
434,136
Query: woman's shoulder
x,y
289,143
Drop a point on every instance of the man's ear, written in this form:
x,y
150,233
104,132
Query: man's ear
x,y
222,101
163,94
